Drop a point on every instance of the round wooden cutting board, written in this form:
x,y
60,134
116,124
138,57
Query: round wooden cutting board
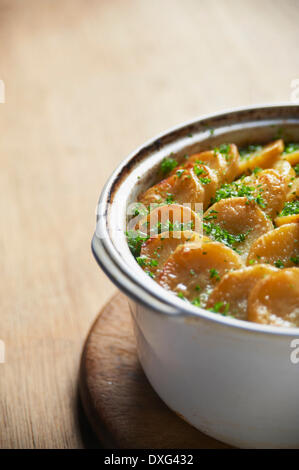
x,y
123,409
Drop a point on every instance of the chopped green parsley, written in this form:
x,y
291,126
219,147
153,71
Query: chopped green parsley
x,y
196,302
169,226
169,198
211,216
144,261
139,209
180,172
214,274
167,165
290,208
198,171
240,189
224,149
295,260
221,235
224,306
246,152
205,180
135,240
290,148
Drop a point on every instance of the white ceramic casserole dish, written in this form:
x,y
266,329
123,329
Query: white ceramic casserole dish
x,y
234,380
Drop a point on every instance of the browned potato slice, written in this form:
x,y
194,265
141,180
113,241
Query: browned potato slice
x,y
156,250
279,247
172,217
285,169
292,158
238,217
206,177
293,190
194,269
213,160
264,158
275,300
273,189
224,163
234,288
183,189
208,180
287,219
233,162
270,187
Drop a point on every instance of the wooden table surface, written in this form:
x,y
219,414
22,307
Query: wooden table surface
x,y
86,82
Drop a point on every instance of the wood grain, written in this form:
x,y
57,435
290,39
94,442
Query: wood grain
x,y
124,410
86,82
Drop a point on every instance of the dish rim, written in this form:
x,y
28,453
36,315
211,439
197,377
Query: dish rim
x,y
146,291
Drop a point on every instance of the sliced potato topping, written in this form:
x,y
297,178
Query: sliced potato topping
x,y
208,180
280,247
169,218
231,294
224,160
285,169
233,159
194,269
236,222
181,189
268,188
272,187
287,219
292,158
275,299
156,250
264,158
231,260
214,160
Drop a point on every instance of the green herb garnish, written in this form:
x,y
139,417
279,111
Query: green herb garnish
x,y
142,260
198,171
167,165
239,189
246,152
180,172
169,226
290,148
290,208
211,216
196,302
139,209
218,306
214,274
224,149
135,239
169,198
221,235
145,261
150,274
205,180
